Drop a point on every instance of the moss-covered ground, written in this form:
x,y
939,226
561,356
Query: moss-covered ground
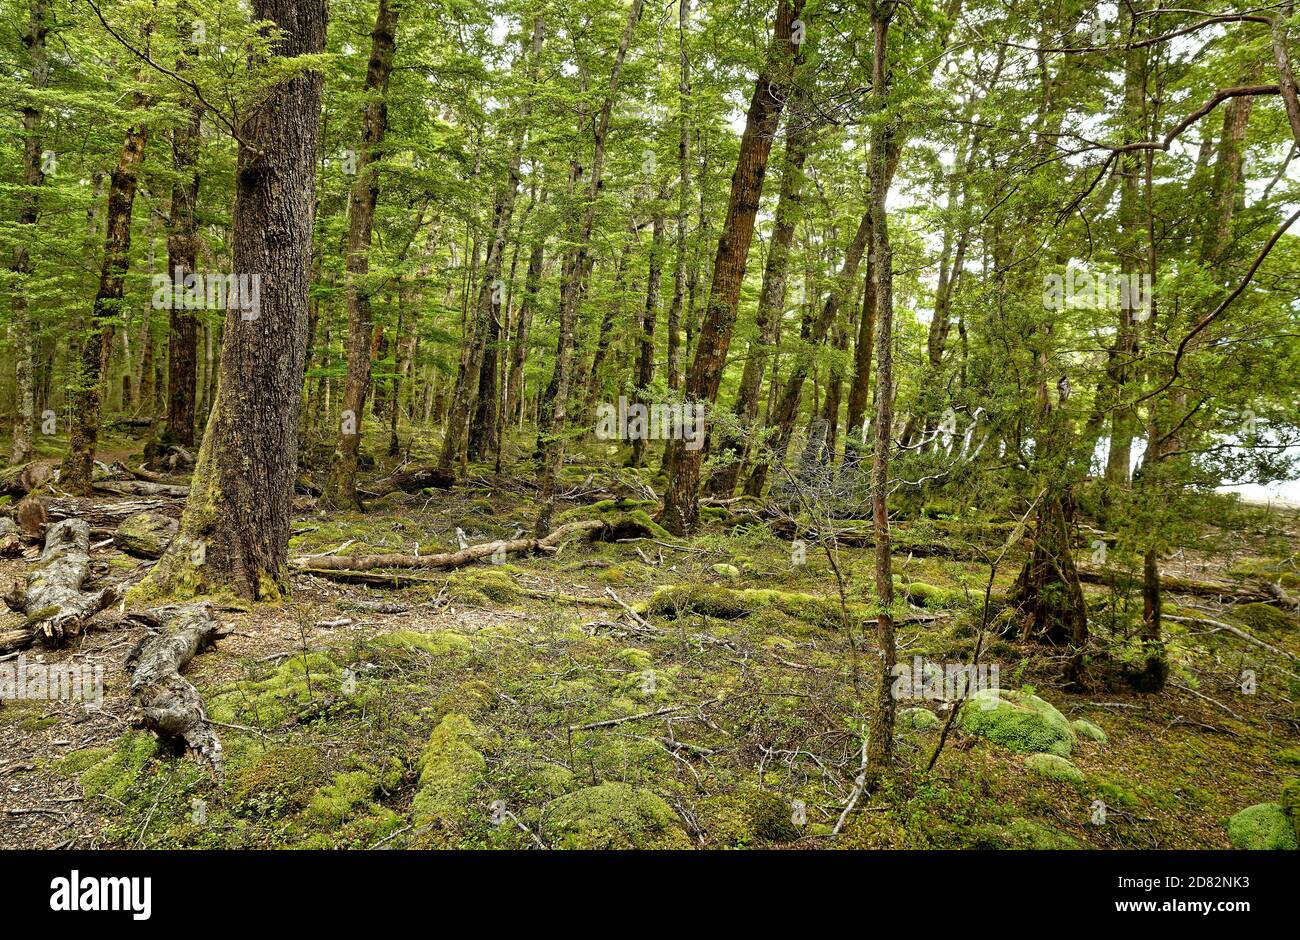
x,y
519,706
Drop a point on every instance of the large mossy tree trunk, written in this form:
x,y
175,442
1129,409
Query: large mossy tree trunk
x,y
771,89
234,534
341,484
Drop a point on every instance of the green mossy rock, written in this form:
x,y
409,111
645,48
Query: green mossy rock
x,y
918,719
612,816
1265,618
145,534
1053,768
1290,755
748,815
451,768
1262,826
439,643
1017,720
724,570
1086,729
1291,803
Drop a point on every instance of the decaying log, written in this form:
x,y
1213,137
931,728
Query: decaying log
x,y
107,515
11,540
408,481
20,480
143,488
169,704
590,529
145,534
1229,590
52,598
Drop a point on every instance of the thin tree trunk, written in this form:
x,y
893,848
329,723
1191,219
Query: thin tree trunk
x,y
182,258
681,499
341,484
646,359
34,177
86,392
683,198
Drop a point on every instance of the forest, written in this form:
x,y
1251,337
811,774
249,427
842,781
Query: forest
x,y
610,424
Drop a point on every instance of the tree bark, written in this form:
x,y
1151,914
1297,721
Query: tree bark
x,y
86,393
182,258
341,484
681,499
34,177
234,534
646,355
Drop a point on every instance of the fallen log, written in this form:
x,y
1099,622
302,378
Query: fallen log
x,y
168,704
408,481
52,599
20,480
589,529
107,514
142,488
1171,584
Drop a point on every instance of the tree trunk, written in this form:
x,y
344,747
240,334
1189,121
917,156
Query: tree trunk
x,y
491,291
855,433
683,199
86,392
645,370
341,484
523,324
182,258
681,499
34,177
551,430
771,302
880,736
234,534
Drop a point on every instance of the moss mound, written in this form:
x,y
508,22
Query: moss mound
x,y
727,604
1291,803
612,816
918,719
1265,618
748,815
1029,834
1262,826
1086,729
1017,720
1053,768
282,778
471,585
451,768
439,643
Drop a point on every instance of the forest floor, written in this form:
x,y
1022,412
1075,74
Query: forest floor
x,y
521,705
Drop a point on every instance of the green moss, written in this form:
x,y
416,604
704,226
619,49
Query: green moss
x,y
727,604
1114,793
1030,834
918,719
471,584
78,761
630,572
1053,768
612,816
1017,720
1290,755
439,643
1262,826
1291,803
118,772
1086,729
724,570
279,780
932,598
451,768
349,795
746,816
1264,618
308,679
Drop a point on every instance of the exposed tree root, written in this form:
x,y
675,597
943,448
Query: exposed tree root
x,y
169,704
590,529
52,599
408,481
